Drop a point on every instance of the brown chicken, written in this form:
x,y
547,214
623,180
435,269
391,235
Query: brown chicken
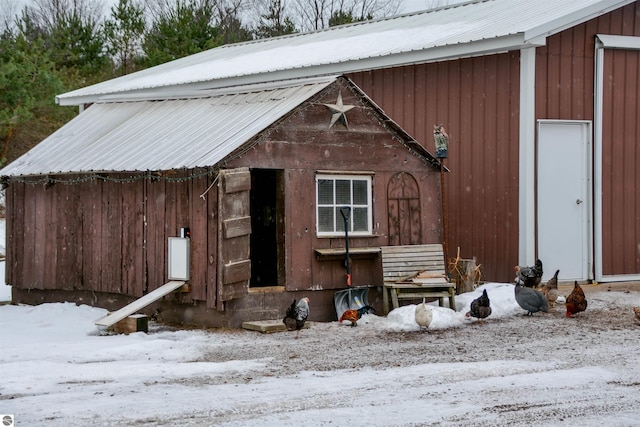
x,y
550,289
576,302
636,312
354,315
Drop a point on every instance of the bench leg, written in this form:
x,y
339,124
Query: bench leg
x,y
385,299
394,297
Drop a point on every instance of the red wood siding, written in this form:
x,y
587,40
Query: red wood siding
x,y
111,237
104,236
477,101
302,145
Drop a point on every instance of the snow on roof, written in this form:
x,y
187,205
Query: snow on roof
x,y
467,29
165,134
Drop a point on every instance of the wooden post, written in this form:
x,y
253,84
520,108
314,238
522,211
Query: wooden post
x,y
443,206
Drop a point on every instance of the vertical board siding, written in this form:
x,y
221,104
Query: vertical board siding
x,y
155,233
105,236
564,90
621,157
476,99
92,232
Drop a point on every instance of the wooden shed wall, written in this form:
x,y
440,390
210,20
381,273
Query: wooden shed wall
x,y
111,237
565,90
477,101
106,236
303,145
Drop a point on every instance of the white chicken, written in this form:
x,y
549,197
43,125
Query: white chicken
x,y
423,315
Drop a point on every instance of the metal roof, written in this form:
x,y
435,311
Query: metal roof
x,y
163,135
473,28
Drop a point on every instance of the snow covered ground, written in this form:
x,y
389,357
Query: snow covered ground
x,y
545,370
57,369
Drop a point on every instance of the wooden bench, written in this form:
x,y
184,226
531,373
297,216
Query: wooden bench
x,y
415,271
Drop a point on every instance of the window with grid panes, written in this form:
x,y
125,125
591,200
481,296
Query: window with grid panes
x,y
334,192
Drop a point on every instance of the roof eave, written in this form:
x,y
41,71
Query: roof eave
x,y
583,15
430,54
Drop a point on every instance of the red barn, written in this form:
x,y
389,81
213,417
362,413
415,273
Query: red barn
x,y
539,99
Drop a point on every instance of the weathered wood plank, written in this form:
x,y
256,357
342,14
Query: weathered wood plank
x,y
29,255
155,233
233,253
92,232
138,304
237,180
235,227
212,271
199,238
112,230
424,265
132,239
235,290
236,272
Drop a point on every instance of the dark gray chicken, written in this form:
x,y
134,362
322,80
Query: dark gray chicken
x,y
531,300
296,315
529,276
480,307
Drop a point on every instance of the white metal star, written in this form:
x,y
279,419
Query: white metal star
x,y
339,111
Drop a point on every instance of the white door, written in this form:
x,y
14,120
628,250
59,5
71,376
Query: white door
x,y
564,205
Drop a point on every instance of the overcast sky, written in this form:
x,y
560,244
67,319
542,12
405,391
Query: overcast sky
x,y
408,5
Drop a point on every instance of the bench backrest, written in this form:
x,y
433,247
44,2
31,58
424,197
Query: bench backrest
x,y
403,262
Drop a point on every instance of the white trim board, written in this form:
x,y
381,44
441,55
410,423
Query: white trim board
x,y
603,42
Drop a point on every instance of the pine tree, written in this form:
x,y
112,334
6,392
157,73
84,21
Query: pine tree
x,y
123,35
183,29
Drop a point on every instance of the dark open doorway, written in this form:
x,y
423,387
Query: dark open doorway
x,y
267,224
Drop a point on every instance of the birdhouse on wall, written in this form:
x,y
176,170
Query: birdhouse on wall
x,y
441,140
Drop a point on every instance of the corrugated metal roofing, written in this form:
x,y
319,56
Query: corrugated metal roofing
x,y
476,27
162,135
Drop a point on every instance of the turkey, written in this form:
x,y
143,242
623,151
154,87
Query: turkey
x,y
296,315
530,299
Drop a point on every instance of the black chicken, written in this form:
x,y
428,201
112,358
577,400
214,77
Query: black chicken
x,y
480,307
531,300
296,315
529,276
